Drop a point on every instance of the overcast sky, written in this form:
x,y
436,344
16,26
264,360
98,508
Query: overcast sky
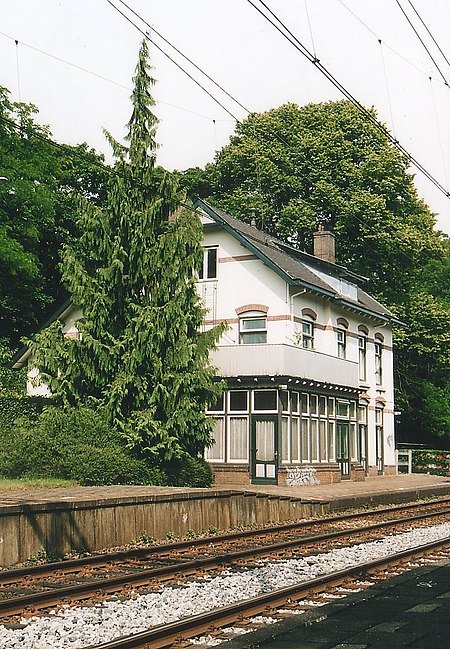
x,y
242,52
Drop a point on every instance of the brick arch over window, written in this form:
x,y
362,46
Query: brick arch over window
x,y
342,322
363,330
379,338
309,313
252,307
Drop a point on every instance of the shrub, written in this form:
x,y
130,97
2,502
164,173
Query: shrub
x,y
111,465
72,443
190,472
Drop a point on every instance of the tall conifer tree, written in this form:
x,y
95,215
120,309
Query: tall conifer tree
x,y
141,355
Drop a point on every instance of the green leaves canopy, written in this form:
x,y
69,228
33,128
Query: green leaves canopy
x,y
36,214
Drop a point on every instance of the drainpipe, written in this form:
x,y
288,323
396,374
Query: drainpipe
x,y
292,301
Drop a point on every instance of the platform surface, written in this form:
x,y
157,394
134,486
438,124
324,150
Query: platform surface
x,y
353,493
411,610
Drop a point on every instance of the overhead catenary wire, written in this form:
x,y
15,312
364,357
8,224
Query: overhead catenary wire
x,y
387,45
111,170
422,42
438,130
298,45
186,58
429,32
277,135
387,86
164,53
96,74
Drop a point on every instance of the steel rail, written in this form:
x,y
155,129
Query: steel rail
x,y
166,634
55,595
99,560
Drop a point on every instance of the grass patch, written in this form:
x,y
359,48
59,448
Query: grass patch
x,y
10,484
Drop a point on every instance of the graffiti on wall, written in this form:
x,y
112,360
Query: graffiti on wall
x,y
302,476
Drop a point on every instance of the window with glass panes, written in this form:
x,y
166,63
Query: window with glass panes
x,y
253,331
378,362
341,337
362,352
208,268
307,334
216,453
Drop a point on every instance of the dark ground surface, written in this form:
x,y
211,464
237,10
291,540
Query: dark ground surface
x,y
411,610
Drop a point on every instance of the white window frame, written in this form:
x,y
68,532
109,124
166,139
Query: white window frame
x,y
341,339
307,332
238,412
362,357
271,412
220,460
378,349
230,460
246,332
203,275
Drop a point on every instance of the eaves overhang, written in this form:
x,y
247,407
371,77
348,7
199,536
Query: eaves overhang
x,y
21,356
385,317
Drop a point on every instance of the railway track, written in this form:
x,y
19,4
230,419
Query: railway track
x,y
27,590
173,633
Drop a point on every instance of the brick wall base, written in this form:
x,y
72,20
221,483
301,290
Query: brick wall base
x,y
288,475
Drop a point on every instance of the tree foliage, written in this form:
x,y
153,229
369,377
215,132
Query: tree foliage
x,y
141,355
37,212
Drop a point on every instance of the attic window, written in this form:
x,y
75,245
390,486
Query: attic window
x,y
347,288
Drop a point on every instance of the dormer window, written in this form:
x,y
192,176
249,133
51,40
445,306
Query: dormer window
x,y
347,288
208,269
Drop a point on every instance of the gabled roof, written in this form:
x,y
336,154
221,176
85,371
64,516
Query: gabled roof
x,y
297,267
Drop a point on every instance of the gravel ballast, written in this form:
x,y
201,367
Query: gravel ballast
x,y
78,627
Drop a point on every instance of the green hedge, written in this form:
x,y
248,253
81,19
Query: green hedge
x,y
77,444
12,408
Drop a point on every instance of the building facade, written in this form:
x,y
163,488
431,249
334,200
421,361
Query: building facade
x,y
306,358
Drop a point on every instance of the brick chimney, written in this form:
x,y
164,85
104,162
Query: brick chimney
x,y
324,245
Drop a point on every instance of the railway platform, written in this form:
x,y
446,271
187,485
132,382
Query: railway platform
x,y
380,489
61,520
410,610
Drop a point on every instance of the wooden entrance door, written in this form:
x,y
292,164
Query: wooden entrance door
x,y
343,449
264,445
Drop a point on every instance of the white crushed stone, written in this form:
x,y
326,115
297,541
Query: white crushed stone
x,y
207,641
78,627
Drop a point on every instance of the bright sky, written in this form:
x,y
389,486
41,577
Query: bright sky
x,y
242,52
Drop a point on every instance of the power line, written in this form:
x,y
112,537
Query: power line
x,y
298,45
268,129
96,74
69,151
430,34
423,44
396,52
186,58
158,47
